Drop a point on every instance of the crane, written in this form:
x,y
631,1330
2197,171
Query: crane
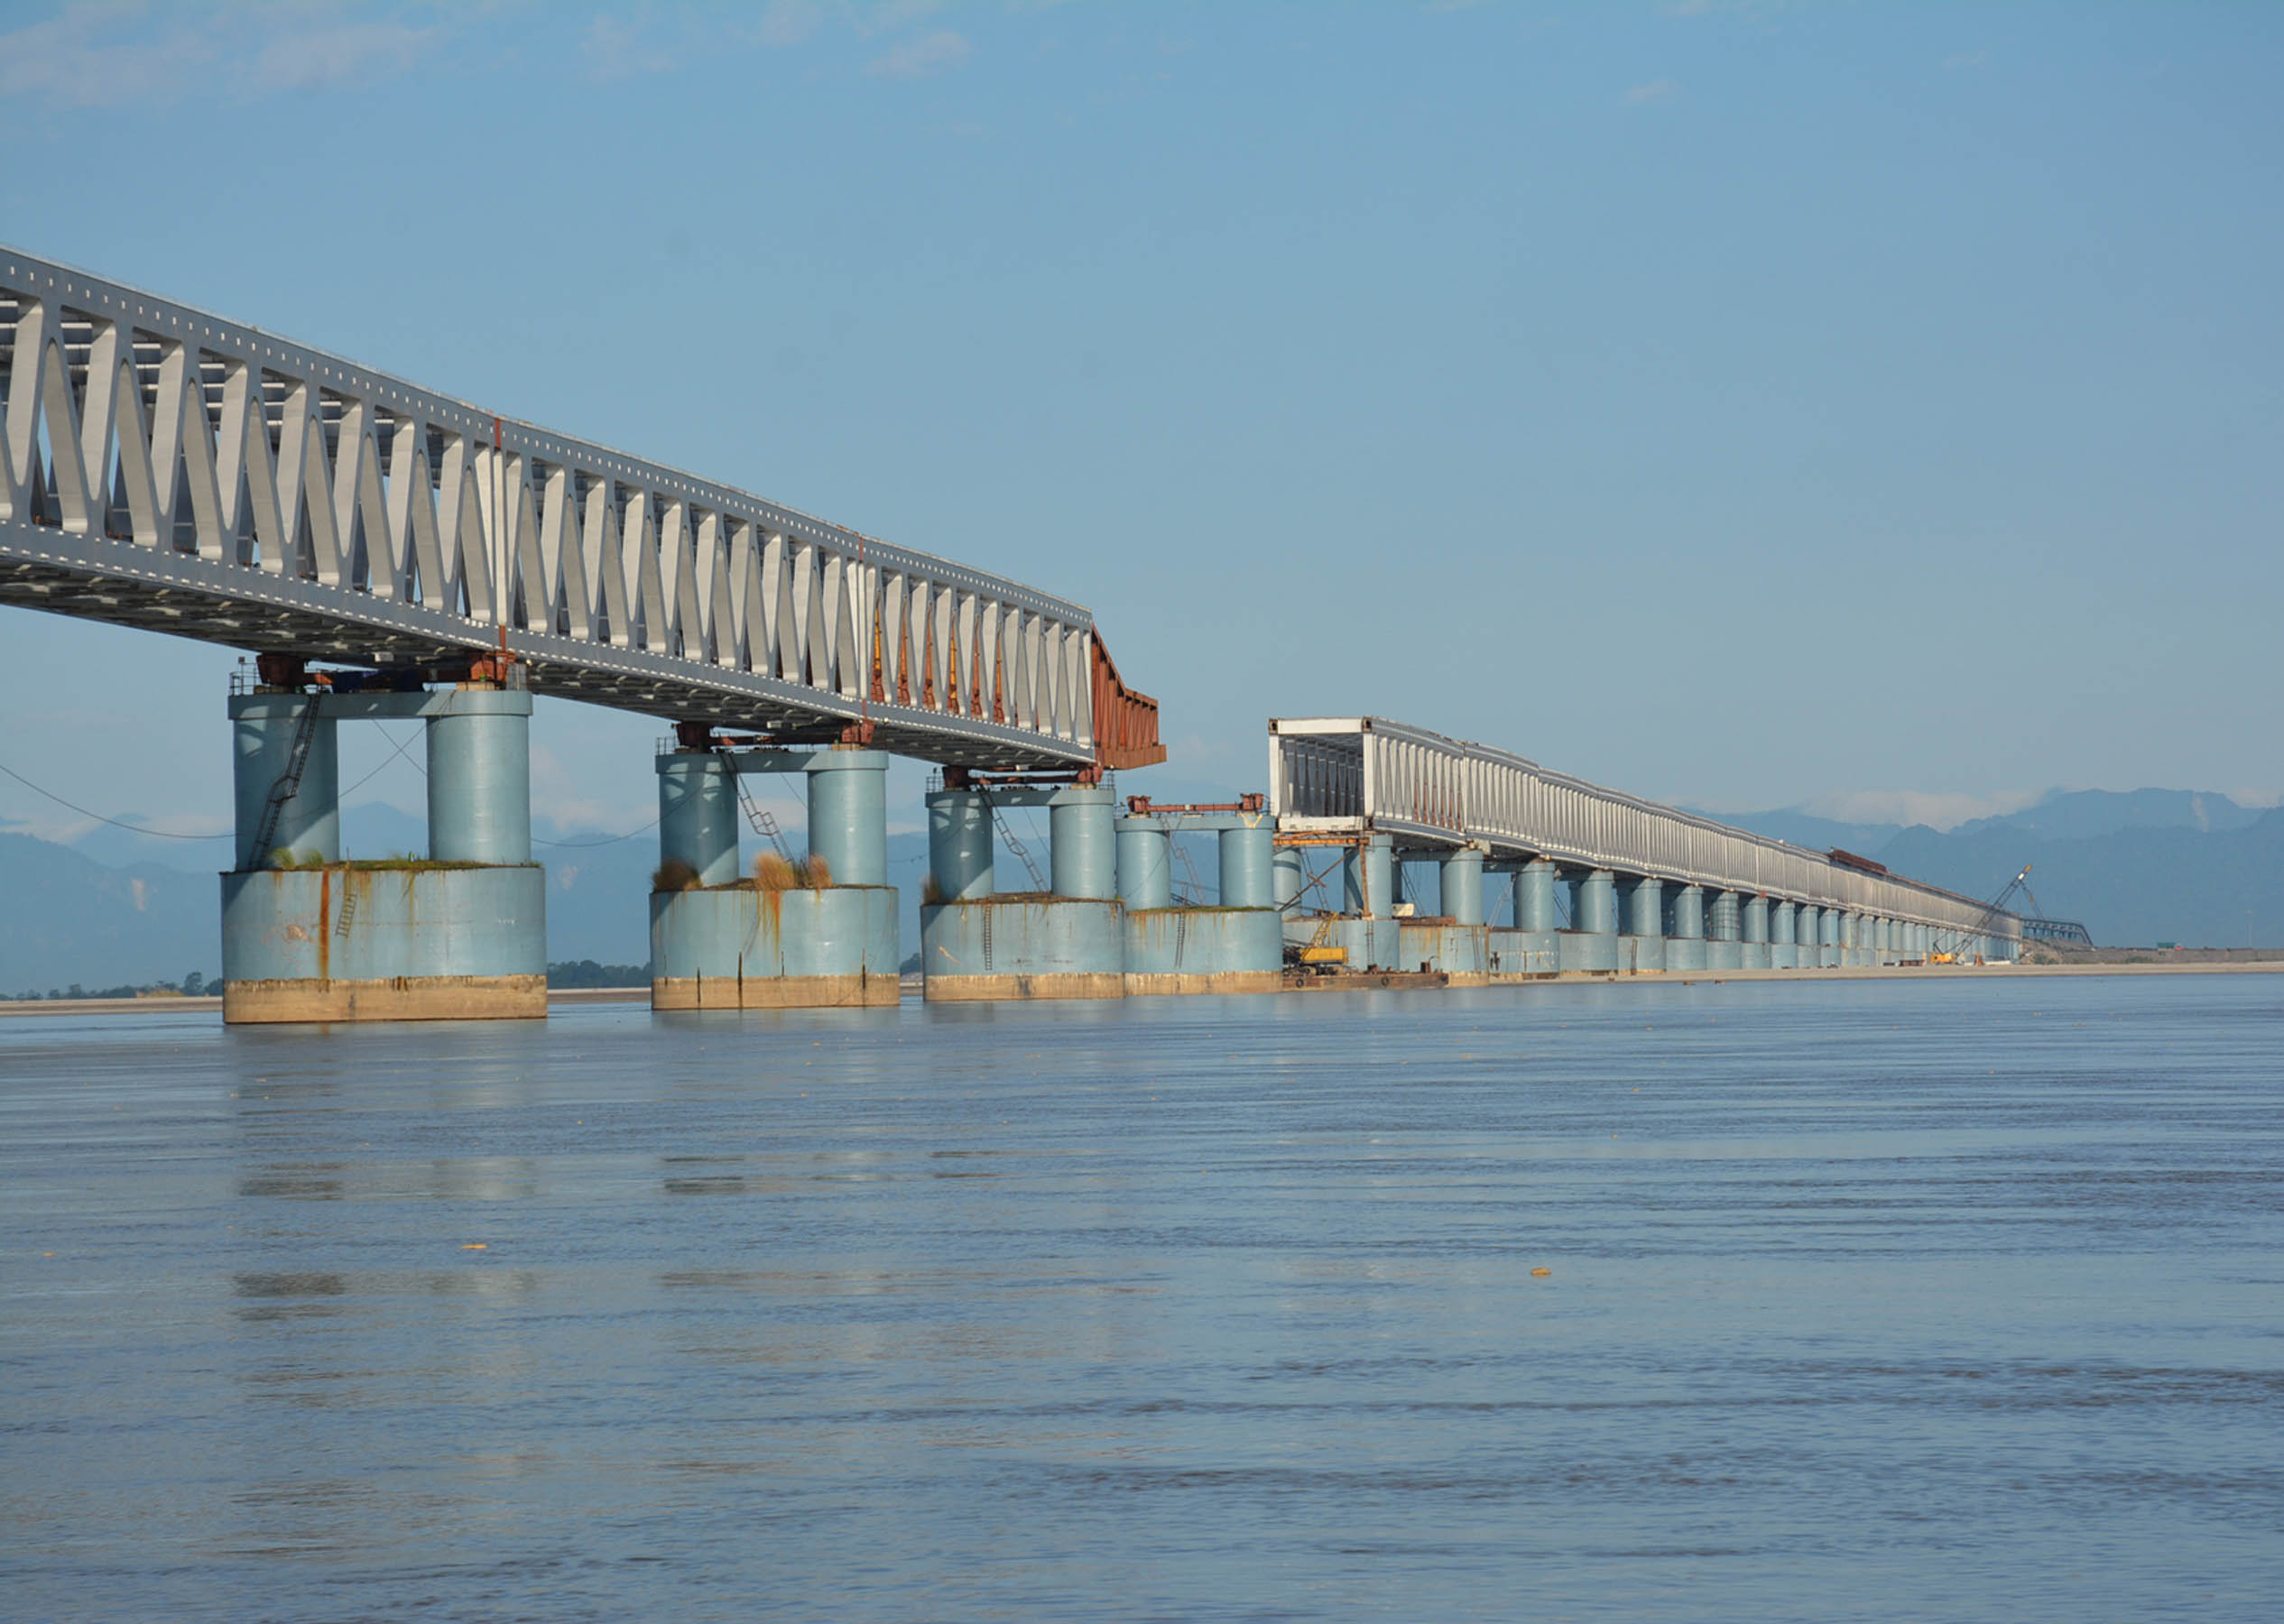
x,y
2036,926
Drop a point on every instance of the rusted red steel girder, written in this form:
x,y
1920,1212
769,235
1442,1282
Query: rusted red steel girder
x,y
1125,722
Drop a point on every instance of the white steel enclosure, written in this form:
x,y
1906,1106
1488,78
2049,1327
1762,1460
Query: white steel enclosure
x,y
1356,776
165,468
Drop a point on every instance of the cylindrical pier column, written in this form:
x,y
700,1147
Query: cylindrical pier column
x,y
480,778
1645,922
308,826
1292,877
1368,882
1461,882
1645,907
1784,949
1724,922
697,813
1807,924
960,845
1754,919
1688,913
1145,866
1083,854
1247,857
1828,951
1534,896
848,814
1594,903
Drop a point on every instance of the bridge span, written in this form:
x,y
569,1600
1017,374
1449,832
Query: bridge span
x,y
167,469
1696,893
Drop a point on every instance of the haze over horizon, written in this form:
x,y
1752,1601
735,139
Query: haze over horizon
x,y
1866,409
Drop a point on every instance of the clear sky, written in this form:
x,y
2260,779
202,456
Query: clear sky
x,y
1875,405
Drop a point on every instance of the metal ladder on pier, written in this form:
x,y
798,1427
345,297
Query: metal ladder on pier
x,y
297,758
764,822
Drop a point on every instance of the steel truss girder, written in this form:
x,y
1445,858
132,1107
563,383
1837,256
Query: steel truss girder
x,y
166,468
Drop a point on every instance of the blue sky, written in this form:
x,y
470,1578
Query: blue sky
x,y
1877,406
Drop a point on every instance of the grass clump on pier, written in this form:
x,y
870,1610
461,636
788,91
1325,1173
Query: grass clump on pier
x,y
774,873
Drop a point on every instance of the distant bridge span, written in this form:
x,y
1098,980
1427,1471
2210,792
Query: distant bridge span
x,y
1354,777
164,468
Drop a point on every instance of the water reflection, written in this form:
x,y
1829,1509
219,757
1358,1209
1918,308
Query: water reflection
x,y
1871,1301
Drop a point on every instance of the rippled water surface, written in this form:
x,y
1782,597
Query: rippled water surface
x,y
1864,1300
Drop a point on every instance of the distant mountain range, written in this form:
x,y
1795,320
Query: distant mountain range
x,y
2060,815
2138,868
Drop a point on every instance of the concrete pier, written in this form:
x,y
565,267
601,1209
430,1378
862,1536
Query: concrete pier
x,y
1368,879
1783,940
1070,942
459,934
1644,927
1591,944
820,935
1685,944
1237,946
698,817
1724,931
1756,933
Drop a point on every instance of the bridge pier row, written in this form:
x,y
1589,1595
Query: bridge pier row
x,y
1754,949
822,935
1642,949
1724,931
1591,944
980,946
1784,950
1532,948
458,934
1235,946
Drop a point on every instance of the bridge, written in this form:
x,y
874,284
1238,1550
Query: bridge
x,y
167,469
1692,884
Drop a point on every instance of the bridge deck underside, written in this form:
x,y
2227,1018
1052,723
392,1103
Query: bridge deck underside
x,y
183,595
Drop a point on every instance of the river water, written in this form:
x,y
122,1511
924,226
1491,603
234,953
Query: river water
x,y
1954,1299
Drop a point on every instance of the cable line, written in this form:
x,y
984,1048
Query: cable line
x,y
114,823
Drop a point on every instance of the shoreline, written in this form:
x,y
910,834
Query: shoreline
x,y
179,1005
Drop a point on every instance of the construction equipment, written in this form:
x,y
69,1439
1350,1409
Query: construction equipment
x,y
1319,955
2036,926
